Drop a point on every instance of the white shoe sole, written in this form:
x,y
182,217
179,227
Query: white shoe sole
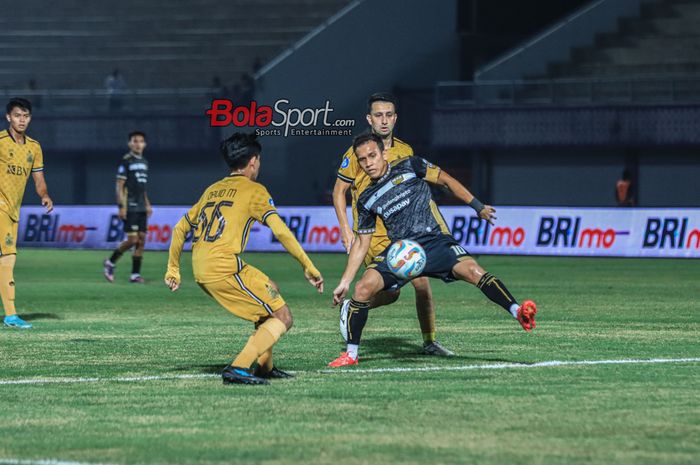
x,y
343,322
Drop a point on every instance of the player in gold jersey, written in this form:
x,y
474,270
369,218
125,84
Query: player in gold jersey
x,y
381,116
221,221
19,156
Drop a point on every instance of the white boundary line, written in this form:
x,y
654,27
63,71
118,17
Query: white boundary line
x,y
493,366
502,366
43,462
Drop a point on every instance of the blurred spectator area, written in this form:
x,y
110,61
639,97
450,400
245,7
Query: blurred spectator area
x,y
613,84
167,51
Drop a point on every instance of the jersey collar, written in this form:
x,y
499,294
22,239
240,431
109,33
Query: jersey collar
x,y
9,133
385,176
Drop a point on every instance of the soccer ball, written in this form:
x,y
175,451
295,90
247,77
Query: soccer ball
x,y
406,259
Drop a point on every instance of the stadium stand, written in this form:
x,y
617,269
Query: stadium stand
x,y
662,41
158,44
607,52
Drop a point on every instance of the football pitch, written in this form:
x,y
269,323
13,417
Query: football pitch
x,y
129,374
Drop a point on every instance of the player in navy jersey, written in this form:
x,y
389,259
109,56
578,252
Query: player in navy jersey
x,y
400,196
134,207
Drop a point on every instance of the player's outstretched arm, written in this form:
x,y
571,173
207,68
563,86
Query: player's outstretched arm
x,y
285,236
358,251
485,212
340,204
177,241
42,190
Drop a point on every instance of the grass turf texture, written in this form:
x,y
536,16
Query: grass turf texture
x,y
589,309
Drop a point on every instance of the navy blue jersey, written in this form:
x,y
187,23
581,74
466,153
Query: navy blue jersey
x,y
134,171
402,199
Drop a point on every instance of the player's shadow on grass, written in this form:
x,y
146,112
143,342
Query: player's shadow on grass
x,y
388,348
206,369
40,316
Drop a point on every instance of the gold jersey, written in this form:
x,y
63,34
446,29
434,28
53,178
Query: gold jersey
x,y
351,172
221,223
17,161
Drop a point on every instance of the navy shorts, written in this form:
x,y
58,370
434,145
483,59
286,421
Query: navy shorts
x,y
135,222
442,252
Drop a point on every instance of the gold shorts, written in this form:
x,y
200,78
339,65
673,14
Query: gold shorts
x,y
248,294
8,234
376,246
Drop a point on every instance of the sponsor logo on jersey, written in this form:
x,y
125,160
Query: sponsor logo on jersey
x,y
17,170
271,291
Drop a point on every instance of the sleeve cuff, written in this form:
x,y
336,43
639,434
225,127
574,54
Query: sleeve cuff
x,y
366,231
34,170
267,215
345,178
190,222
119,176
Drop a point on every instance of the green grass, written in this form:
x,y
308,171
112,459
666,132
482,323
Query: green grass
x,y
590,309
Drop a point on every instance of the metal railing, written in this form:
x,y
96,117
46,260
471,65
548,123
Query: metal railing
x,y
646,90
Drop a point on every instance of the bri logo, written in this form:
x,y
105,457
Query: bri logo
x,y
48,228
565,231
307,233
157,233
478,232
672,233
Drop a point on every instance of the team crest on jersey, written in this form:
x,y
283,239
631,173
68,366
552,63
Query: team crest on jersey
x,y
271,291
30,157
8,240
12,154
397,180
346,162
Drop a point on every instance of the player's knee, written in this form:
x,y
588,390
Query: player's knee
x,y
363,290
285,316
474,272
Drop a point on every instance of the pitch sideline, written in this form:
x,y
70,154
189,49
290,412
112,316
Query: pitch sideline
x,y
493,366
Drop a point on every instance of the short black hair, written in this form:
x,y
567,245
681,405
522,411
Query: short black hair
x,y
137,133
366,137
380,97
22,103
238,149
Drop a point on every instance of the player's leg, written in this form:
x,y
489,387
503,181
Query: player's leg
x,y
378,245
372,282
425,309
260,344
8,257
131,228
137,257
251,296
469,270
266,366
